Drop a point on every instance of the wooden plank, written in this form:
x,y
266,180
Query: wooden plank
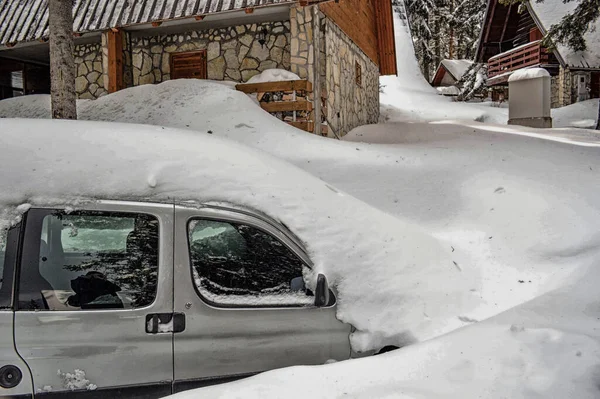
x,y
289,85
307,126
115,60
386,37
282,106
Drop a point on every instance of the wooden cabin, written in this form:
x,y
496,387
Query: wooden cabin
x,y
511,40
448,75
341,47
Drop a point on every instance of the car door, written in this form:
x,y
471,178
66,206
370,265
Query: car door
x,y
95,292
15,380
239,285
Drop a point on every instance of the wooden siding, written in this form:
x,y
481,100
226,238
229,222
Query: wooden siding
x,y
189,65
358,20
387,39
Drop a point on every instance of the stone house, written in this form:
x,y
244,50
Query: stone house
x,y
341,46
511,40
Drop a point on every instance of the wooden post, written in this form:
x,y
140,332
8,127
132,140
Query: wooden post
x,y
114,42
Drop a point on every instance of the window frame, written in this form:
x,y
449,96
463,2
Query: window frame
x,y
269,229
14,237
27,233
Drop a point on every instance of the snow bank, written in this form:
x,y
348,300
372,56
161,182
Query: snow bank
x,y
528,73
273,75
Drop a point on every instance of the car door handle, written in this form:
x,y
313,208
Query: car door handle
x,y
162,323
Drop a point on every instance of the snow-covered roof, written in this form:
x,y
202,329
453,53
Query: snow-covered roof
x,y
27,20
457,68
550,13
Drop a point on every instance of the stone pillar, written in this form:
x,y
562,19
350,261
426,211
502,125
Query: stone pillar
x,y
565,87
302,49
529,99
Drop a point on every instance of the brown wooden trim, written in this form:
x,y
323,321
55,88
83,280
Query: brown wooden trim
x,y
529,55
282,106
386,38
489,25
307,126
115,60
289,85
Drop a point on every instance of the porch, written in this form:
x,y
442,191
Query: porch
x,y
532,54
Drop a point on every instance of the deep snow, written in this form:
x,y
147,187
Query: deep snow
x,y
511,215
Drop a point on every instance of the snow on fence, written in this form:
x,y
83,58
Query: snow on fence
x,y
290,100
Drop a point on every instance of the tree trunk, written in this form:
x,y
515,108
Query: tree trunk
x,y
62,62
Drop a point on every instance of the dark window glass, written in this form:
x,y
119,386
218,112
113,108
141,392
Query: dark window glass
x,y
239,265
89,260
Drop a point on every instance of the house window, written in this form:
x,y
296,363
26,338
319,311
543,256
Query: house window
x,y
358,69
189,65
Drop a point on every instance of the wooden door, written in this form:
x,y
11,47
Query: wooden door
x,y
595,85
189,65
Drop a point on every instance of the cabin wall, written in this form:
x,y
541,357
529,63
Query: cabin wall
x,y
358,20
349,104
233,53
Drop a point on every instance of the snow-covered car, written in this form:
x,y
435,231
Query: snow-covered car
x,y
160,297
140,261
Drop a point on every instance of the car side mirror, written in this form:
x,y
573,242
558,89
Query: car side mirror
x,y
322,292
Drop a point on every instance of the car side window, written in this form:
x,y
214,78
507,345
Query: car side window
x,y
88,260
239,265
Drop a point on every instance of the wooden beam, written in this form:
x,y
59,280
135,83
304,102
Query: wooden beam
x,y
505,23
487,31
307,126
289,85
282,106
115,60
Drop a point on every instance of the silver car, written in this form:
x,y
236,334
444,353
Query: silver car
x,y
127,299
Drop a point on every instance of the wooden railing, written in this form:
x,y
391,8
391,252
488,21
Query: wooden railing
x,y
290,101
528,55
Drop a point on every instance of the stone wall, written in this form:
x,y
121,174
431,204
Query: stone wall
x,y
565,84
301,49
233,53
89,81
554,91
349,104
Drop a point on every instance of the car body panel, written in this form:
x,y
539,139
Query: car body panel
x,y
111,346
221,342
